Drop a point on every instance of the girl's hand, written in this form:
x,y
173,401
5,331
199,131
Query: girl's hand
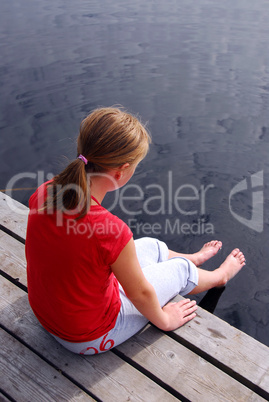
x,y
179,313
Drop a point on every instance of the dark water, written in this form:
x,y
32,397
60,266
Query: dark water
x,y
198,72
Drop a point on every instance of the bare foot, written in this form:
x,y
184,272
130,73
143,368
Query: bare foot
x,y
207,251
231,266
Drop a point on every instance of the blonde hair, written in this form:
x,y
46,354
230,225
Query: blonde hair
x,y
108,138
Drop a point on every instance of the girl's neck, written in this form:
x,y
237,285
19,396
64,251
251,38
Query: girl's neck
x,y
98,191
102,184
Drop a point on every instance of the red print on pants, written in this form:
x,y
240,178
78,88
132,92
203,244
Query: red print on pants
x,y
102,348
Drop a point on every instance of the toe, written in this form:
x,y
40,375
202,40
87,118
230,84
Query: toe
x,y
235,252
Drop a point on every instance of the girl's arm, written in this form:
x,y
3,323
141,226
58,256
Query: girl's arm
x,y
142,294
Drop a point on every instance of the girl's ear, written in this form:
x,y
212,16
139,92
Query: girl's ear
x,y
120,170
124,166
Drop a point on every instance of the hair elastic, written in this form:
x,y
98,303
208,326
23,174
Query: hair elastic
x,y
83,159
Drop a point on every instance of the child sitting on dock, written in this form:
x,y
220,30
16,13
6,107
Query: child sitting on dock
x,y
90,284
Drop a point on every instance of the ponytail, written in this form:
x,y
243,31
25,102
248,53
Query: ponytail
x,y
70,190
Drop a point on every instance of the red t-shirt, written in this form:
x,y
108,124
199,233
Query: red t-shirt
x,y
72,289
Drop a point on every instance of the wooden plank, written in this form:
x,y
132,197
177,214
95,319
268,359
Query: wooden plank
x,y
106,375
13,215
28,378
181,369
229,346
12,258
3,398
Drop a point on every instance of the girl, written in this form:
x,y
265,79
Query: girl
x,y
90,284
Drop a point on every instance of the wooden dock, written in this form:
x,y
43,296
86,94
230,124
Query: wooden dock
x,y
205,360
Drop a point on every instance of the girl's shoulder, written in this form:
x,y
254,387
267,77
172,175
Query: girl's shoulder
x,y
111,223
111,233
39,196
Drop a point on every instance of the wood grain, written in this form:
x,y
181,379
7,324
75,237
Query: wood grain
x,y
106,376
13,215
12,258
28,378
183,370
231,347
